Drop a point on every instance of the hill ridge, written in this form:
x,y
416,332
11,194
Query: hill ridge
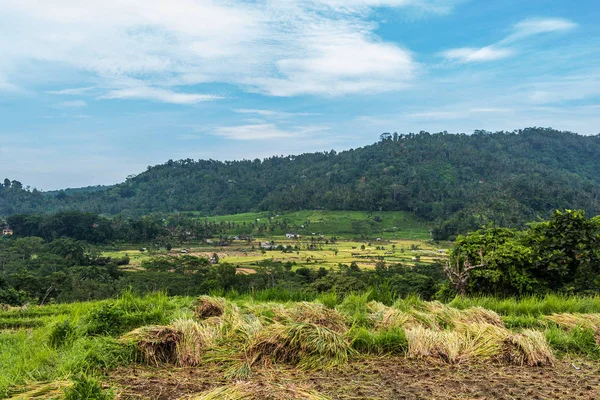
x,y
458,181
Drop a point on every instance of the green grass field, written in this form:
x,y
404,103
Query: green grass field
x,y
96,350
347,224
244,254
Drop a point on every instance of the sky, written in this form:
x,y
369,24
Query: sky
x,y
94,91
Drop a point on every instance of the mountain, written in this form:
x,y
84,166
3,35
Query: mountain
x,y
456,181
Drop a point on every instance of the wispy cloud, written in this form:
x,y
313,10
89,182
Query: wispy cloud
x,y
434,6
71,91
536,26
156,94
502,49
265,131
252,132
277,48
272,113
469,54
5,86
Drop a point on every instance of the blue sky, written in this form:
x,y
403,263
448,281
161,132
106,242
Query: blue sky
x,y
93,91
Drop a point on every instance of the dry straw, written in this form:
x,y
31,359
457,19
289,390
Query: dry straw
x,y
183,343
314,313
206,307
309,345
479,342
261,391
528,348
44,390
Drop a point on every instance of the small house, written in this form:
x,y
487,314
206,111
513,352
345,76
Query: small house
x,y
292,235
7,231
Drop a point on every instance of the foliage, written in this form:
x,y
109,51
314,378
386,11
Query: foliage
x,y
561,254
86,388
459,182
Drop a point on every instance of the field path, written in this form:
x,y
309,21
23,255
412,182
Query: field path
x,y
382,378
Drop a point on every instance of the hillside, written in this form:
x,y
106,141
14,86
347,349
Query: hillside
x,y
457,182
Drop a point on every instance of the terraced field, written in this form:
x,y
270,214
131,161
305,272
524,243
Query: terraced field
x,y
248,254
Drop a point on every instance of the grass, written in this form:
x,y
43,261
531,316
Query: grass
x,y
71,339
327,255
532,305
71,346
380,342
347,224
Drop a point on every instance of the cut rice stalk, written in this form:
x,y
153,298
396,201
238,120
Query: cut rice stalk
x,y
206,306
528,348
261,391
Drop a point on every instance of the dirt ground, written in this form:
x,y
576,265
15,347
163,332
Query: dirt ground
x,y
381,378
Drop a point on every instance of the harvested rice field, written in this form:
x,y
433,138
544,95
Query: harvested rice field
x,y
159,347
378,378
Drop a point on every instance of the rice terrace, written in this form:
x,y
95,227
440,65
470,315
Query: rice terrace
x,y
299,200
302,315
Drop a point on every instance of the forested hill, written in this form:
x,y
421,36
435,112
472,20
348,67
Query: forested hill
x,y
458,182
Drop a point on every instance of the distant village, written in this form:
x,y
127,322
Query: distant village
x,y
6,231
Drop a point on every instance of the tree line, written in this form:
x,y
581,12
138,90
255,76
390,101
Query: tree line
x,y
457,182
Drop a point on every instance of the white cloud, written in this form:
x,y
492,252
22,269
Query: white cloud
x,y
279,48
522,30
5,86
263,131
536,26
71,91
71,104
252,132
435,6
163,95
469,54
272,113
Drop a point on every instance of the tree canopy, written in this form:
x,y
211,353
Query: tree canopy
x,y
457,182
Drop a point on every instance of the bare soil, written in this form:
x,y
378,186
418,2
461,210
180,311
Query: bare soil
x,y
380,378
